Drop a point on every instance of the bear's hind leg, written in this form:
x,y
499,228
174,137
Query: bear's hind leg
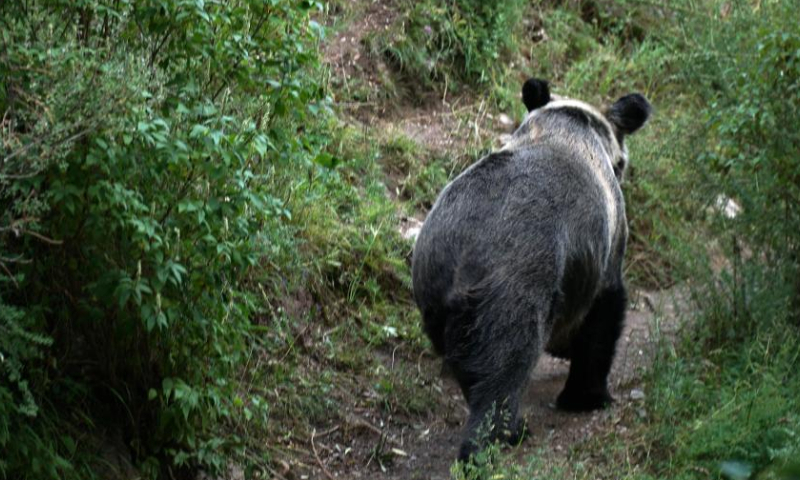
x,y
494,406
491,350
592,351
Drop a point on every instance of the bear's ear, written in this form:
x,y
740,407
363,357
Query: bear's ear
x,y
629,113
535,93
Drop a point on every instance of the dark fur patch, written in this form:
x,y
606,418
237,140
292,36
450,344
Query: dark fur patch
x,y
629,113
535,93
592,352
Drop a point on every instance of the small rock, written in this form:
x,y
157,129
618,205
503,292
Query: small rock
x,y
727,206
399,453
412,233
637,394
410,228
505,120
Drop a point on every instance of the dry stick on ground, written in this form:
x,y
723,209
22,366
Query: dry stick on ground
x,y
454,111
419,362
274,473
356,421
294,453
327,432
294,342
316,455
393,352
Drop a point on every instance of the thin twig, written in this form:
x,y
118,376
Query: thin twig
x,y
316,455
274,473
419,362
43,238
10,275
327,432
19,259
357,421
21,176
393,352
294,342
158,47
42,139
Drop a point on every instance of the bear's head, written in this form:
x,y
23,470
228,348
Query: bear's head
x,y
610,127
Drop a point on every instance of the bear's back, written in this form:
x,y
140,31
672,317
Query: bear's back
x,y
528,213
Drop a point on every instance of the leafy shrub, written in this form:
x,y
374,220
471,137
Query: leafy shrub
x,y
734,385
139,139
756,90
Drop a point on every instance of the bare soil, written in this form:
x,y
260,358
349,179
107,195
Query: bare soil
x,y
372,444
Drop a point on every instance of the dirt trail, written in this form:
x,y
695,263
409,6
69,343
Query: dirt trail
x,y
373,444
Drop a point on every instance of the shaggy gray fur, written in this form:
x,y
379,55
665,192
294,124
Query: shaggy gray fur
x,y
517,248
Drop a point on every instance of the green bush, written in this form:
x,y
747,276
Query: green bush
x,y
139,141
755,91
733,386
